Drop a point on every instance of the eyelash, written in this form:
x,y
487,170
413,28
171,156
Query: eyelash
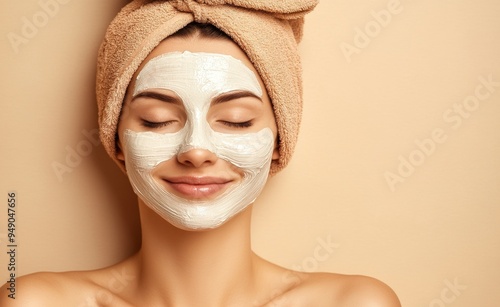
x,y
154,125
238,125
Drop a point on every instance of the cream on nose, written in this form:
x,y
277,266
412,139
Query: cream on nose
x,y
197,157
198,133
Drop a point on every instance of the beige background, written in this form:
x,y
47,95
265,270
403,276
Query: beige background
x,y
364,112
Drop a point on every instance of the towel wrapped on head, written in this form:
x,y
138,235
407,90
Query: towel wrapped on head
x,y
268,32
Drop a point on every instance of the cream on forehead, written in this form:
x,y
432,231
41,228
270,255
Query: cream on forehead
x,y
213,74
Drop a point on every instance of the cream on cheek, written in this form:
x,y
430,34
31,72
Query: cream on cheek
x,y
197,78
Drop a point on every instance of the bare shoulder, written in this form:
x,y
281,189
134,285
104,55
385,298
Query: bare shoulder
x,y
38,289
79,289
362,291
328,290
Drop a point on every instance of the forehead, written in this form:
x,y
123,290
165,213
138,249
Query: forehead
x,y
199,44
211,73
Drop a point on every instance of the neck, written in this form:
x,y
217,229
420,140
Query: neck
x,y
195,268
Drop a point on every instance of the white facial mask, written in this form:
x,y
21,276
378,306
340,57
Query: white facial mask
x,y
197,78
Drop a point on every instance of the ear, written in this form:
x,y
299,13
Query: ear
x,y
276,151
119,152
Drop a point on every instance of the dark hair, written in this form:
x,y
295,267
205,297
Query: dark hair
x,y
204,30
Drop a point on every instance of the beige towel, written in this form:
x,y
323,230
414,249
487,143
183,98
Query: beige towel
x,y
268,31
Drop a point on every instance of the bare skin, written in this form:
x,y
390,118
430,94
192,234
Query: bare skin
x,y
226,275
211,268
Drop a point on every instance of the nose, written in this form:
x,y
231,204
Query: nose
x,y
197,157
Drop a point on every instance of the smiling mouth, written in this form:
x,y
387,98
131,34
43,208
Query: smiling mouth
x,y
197,187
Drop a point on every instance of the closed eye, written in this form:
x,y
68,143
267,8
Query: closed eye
x,y
245,124
156,125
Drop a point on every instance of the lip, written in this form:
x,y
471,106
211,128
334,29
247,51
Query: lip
x,y
197,187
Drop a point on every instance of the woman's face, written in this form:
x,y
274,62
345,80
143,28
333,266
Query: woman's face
x,y
197,132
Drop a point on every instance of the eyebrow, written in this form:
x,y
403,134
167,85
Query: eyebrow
x,y
157,96
234,95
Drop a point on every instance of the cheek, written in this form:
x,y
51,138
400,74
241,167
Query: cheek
x,y
145,150
166,167
250,151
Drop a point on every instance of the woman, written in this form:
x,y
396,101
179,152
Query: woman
x,y
198,122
